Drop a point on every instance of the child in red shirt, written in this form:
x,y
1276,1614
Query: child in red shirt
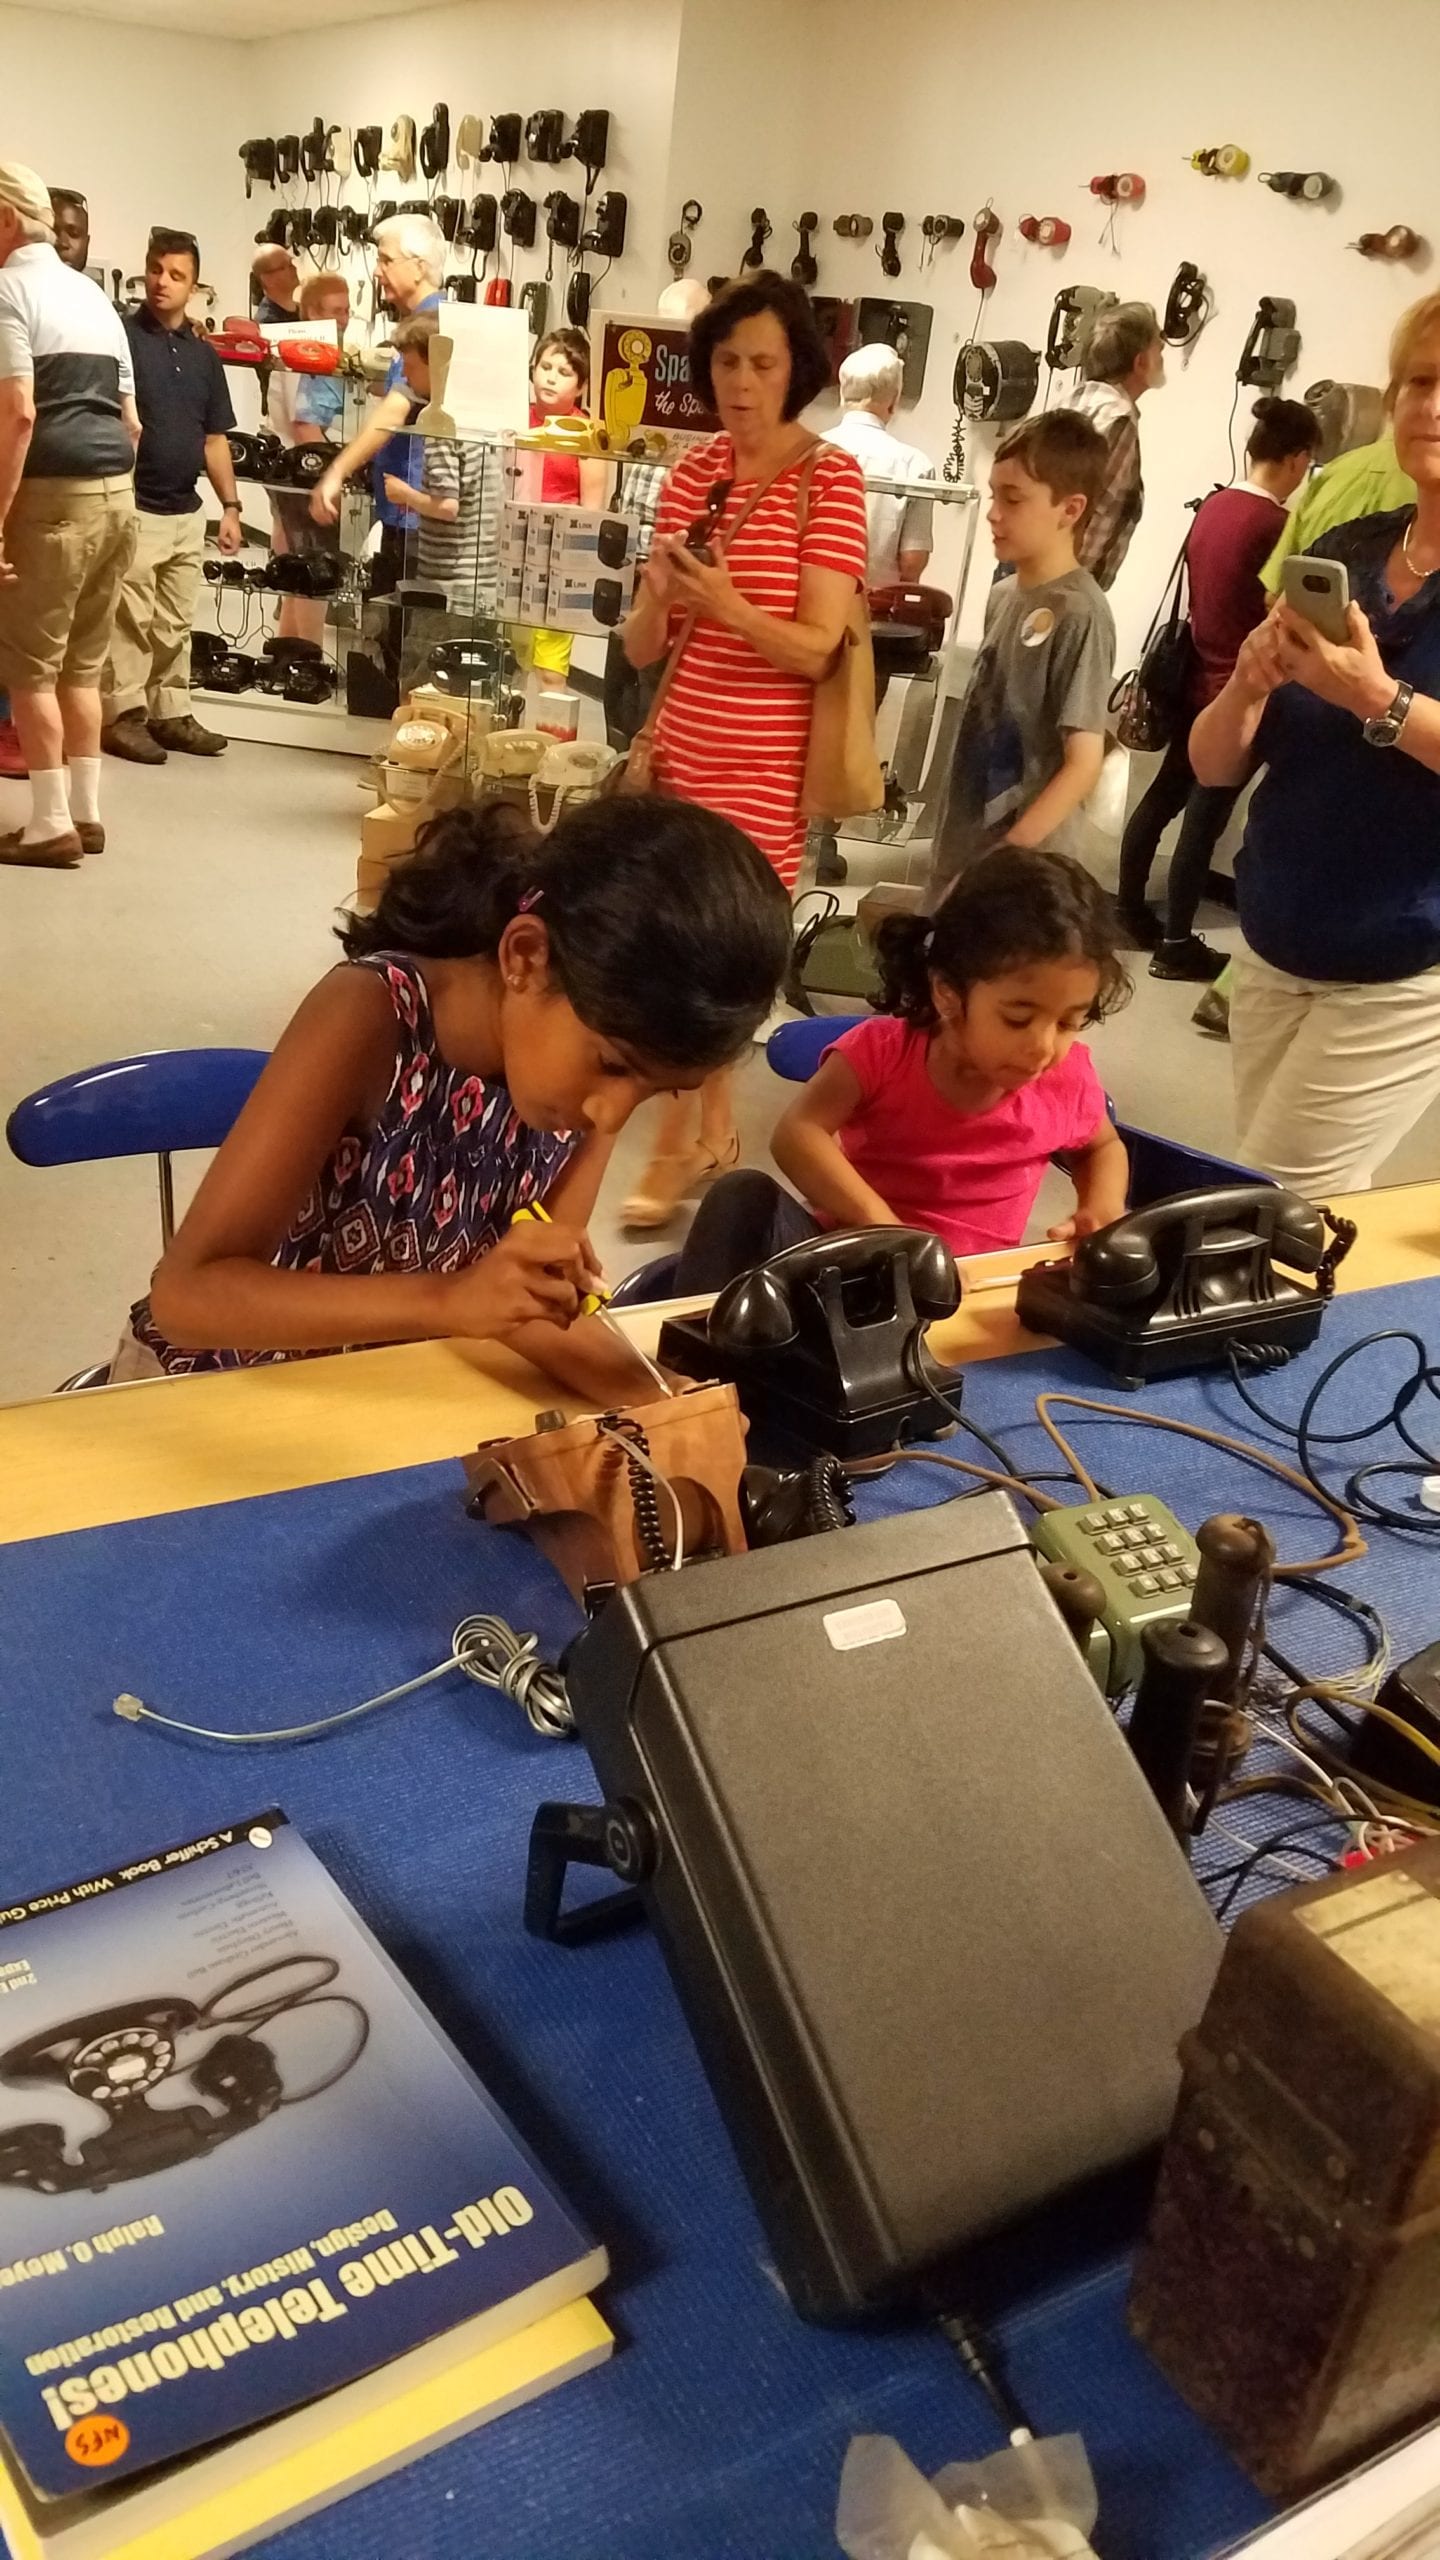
x,y
944,1109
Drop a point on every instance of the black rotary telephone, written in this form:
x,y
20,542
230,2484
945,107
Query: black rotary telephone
x,y
1176,1286
825,1342
116,2057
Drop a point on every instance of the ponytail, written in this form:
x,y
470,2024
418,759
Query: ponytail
x,y
1007,911
669,932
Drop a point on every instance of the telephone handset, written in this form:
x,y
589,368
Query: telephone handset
x,y
824,1342
1173,1287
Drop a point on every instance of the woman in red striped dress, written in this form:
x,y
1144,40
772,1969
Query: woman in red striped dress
x,y
735,722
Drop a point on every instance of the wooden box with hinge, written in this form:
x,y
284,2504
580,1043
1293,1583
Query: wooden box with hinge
x,y
1289,2283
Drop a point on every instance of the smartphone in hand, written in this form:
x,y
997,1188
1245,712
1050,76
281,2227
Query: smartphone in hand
x,y
1320,590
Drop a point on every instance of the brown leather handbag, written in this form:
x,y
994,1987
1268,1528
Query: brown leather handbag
x,y
843,775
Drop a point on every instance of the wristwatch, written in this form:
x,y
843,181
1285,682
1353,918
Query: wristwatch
x,y
1385,732
230,507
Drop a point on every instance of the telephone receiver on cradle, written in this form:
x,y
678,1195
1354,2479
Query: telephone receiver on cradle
x,y
825,1342
1173,1287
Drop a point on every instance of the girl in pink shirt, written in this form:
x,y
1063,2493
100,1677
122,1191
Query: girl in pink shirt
x,y
944,1109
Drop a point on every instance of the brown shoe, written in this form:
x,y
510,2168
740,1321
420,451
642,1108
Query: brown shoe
x,y
187,738
129,736
52,853
91,835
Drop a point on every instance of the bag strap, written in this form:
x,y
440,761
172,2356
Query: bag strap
x,y
686,633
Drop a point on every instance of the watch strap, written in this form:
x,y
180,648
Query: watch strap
x,y
1385,731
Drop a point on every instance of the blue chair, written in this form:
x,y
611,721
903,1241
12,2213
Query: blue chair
x,y
1159,1167
157,1104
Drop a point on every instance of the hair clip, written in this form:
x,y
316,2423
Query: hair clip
x,y
927,942
531,899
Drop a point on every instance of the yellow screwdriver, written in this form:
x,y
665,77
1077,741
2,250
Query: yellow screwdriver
x,y
594,1301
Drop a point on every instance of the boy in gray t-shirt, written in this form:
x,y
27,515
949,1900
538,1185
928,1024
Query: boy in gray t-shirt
x,y
1031,738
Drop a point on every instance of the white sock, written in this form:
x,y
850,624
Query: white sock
x,y
49,807
85,791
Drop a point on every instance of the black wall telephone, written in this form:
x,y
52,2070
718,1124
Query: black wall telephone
x,y
1173,1287
117,2056
825,1343
1273,346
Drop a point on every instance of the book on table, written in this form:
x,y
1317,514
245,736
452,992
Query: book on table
x,y
263,2234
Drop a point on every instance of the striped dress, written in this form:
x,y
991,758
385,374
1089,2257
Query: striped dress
x,y
733,730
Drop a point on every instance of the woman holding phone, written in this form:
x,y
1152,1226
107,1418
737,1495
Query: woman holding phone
x,y
1335,1013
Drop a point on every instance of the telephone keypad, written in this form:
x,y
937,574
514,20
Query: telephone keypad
x,y
1145,1560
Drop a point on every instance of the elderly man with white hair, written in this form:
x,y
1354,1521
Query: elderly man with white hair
x,y
900,528
68,431
410,266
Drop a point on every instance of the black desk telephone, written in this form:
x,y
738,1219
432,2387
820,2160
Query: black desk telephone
x,y
825,1342
1173,1287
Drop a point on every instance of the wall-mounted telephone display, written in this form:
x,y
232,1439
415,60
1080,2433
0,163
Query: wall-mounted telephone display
x,y
852,226
1303,186
434,144
1396,243
1045,230
517,214
825,1343
1176,1286
804,266
680,246
905,326
835,321
985,228
1073,315
1221,160
1350,414
1187,306
502,143
545,136
590,143
605,237
1273,346
996,378
892,224
936,229
760,230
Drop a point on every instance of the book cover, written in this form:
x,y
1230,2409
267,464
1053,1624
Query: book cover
x,y
240,2166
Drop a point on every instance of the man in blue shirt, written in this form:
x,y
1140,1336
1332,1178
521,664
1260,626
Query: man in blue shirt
x,y
185,419
410,266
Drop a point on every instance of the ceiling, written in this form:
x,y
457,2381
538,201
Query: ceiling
x,y
255,19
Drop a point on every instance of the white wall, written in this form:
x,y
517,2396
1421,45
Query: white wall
x,y
486,58
144,124
934,110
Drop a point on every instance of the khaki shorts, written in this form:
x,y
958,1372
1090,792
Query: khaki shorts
x,y
69,543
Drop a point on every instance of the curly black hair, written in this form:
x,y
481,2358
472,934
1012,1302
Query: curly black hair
x,y
744,298
1008,910
669,932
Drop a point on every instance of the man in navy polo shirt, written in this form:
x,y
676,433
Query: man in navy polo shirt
x,y
185,416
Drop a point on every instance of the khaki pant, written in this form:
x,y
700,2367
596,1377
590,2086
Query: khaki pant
x,y
149,666
1329,1076
69,543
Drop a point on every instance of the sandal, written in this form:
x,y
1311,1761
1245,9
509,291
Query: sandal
x,y
663,1185
711,1165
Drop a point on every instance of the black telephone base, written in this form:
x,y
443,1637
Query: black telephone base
x,y
779,1412
1136,1353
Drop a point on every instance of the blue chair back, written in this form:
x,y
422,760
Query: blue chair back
x,y
157,1104
795,1050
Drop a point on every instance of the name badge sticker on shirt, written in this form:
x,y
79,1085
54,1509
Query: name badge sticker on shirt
x,y
1036,628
